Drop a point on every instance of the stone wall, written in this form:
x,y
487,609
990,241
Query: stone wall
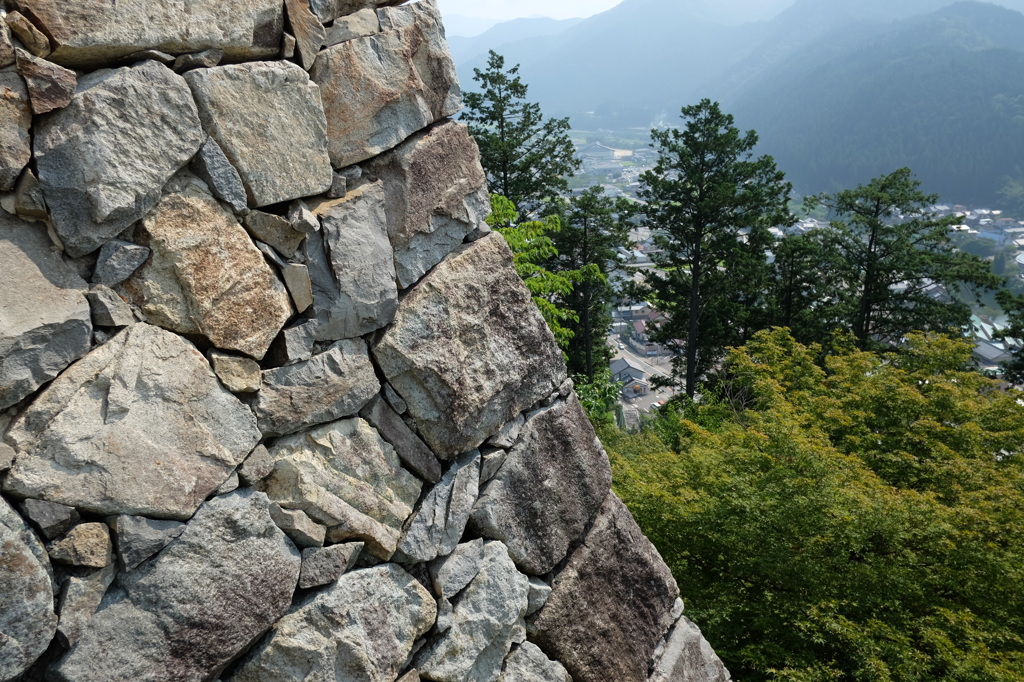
x,y
274,404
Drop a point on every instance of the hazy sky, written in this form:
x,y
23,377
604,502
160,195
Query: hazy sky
x,y
514,9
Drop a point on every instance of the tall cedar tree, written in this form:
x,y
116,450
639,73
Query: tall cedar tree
x,y
526,156
710,204
880,258
587,246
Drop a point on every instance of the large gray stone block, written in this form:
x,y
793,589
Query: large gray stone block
x,y
529,664
550,486
361,628
87,33
610,604
688,656
380,89
139,426
268,119
344,476
27,620
196,606
469,350
436,195
441,519
104,159
351,265
46,319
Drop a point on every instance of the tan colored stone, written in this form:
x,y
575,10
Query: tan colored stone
x,y
240,375
15,122
89,33
309,32
380,89
29,35
49,86
86,545
205,276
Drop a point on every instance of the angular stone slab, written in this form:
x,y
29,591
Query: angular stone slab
x,y
27,620
551,484
309,32
214,168
361,628
438,525
50,519
324,565
529,664
450,575
415,455
104,159
688,656
117,261
200,603
79,599
15,122
334,384
45,319
610,604
352,266
268,119
139,538
380,89
486,619
49,86
469,350
87,544
88,33
437,195
344,476
139,426
205,276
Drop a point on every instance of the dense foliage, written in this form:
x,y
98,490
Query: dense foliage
x,y
843,515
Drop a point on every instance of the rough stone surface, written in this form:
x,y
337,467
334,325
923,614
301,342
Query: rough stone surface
x,y
352,265
324,565
205,276
79,599
104,159
29,34
492,459
228,486
198,60
108,309
361,628
214,168
335,383
302,530
52,520
138,426
139,538
49,86
610,604
436,195
396,401
344,476
88,33
15,122
6,457
449,575
46,320
117,261
539,593
268,119
380,89
487,617
358,25
201,602
294,344
688,656
415,455
240,375
87,544
27,620
560,467
28,197
274,230
509,433
301,218
437,526
468,349
309,32
6,45
529,664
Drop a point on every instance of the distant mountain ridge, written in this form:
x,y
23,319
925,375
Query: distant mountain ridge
x,y
839,90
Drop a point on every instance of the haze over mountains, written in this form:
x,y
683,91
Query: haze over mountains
x,y
839,90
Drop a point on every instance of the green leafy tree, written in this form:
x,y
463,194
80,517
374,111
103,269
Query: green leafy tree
x,y
881,257
532,247
710,204
526,156
1013,304
857,516
587,243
